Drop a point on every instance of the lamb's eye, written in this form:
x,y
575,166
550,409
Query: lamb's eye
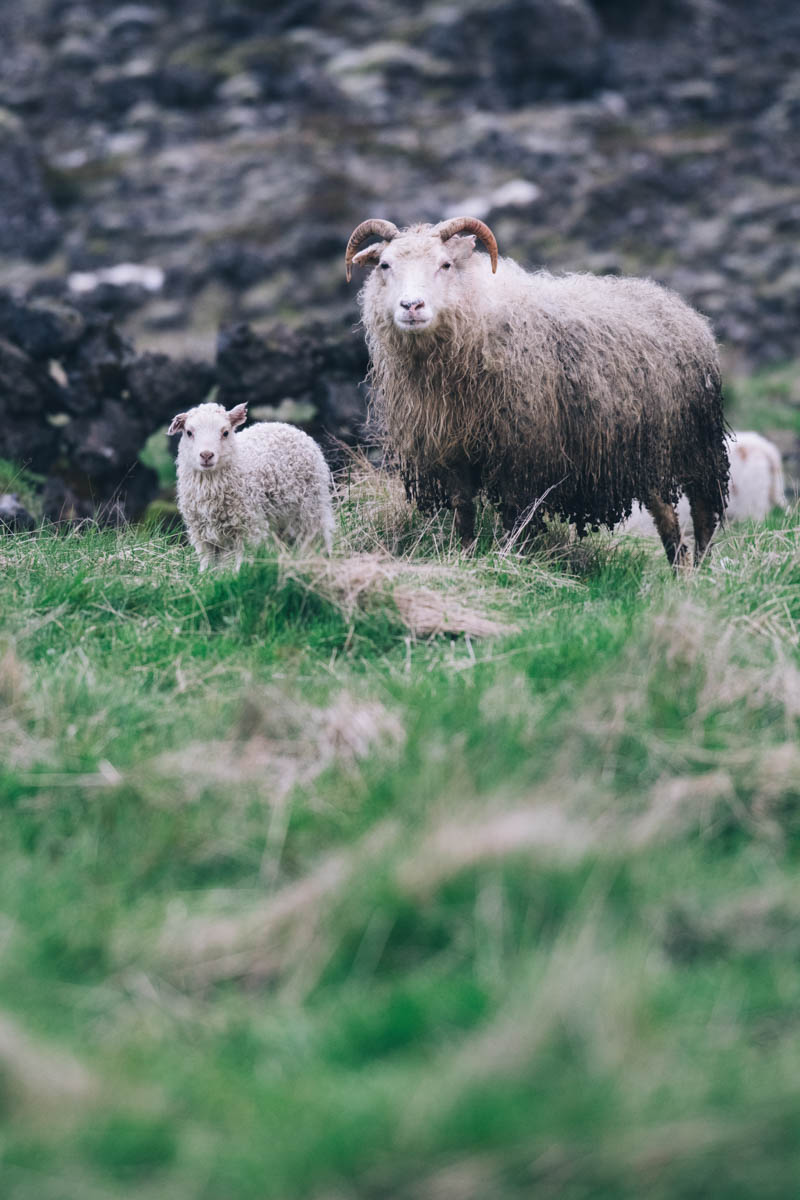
x,y
446,266
189,433
225,432
385,266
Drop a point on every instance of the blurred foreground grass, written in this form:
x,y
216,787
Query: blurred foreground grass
x,y
300,902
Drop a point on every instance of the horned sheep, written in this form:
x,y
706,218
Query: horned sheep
x,y
596,391
237,488
756,486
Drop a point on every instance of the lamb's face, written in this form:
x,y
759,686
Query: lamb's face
x,y
207,442
419,278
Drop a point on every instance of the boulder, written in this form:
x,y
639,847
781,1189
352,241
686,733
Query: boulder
x,y
106,445
71,496
321,364
159,386
27,389
44,328
519,51
30,227
256,369
97,367
32,443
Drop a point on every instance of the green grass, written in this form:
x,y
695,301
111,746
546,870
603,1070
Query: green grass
x,y
22,483
296,903
768,401
156,455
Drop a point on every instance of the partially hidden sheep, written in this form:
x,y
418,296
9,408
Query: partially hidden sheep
x,y
591,391
756,486
239,488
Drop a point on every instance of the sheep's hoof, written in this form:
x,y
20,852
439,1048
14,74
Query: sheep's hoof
x,y
682,562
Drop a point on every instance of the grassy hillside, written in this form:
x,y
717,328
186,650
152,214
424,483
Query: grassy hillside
x,y
302,900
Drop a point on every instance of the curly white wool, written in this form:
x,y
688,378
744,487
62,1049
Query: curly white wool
x,y
240,488
756,486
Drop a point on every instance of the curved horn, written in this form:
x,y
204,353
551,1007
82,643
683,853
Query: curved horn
x,y
472,225
384,229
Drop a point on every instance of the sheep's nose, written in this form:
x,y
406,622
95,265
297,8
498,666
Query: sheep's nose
x,y
206,456
412,305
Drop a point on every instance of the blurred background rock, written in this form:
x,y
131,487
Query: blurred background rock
x,y
177,183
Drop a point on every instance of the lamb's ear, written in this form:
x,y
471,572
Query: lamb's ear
x,y
237,416
178,423
370,256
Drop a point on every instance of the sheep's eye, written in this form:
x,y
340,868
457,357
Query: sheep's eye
x,y
225,432
446,266
385,266
189,433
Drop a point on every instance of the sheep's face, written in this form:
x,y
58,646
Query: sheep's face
x,y
207,442
419,277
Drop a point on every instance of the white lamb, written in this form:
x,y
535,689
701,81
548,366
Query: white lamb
x,y
756,486
237,488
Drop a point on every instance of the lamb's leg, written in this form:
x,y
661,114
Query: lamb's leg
x,y
213,555
704,523
230,559
326,535
206,552
669,530
317,525
210,556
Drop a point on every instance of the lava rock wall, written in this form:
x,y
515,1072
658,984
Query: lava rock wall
x,y
182,178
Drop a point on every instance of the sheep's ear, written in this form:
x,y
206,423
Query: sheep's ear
x,y
237,416
461,246
178,423
370,256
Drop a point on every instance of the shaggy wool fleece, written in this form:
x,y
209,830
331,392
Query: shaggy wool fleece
x,y
604,389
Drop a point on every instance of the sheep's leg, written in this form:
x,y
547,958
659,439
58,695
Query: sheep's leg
x,y
522,524
509,515
519,531
465,521
704,523
462,495
669,530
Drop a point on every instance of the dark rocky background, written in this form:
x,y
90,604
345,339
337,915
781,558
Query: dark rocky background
x,y
178,180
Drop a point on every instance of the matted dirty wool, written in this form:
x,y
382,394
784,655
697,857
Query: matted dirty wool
x,y
604,390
